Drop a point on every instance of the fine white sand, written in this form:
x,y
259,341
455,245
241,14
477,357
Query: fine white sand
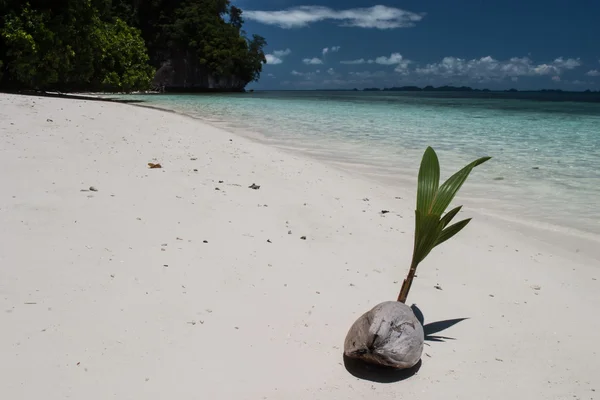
x,y
114,293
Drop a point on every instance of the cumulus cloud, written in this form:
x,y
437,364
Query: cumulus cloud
x,y
593,72
378,17
271,59
282,53
394,59
331,71
487,68
277,56
402,67
332,49
312,61
354,62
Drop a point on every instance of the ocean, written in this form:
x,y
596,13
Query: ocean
x,y
545,168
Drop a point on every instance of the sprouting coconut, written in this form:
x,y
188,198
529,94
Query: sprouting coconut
x,y
390,334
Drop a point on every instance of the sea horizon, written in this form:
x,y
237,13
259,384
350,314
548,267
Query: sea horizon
x,y
543,152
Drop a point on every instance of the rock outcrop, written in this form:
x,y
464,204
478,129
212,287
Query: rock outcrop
x,y
182,75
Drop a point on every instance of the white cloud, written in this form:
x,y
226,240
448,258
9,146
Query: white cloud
x,y
402,67
282,53
556,78
277,56
331,71
569,63
332,49
379,17
312,61
487,68
272,60
593,72
557,66
354,62
394,58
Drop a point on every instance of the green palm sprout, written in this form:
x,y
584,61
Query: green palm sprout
x,y
431,229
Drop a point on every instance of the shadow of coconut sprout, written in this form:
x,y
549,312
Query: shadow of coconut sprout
x,y
434,327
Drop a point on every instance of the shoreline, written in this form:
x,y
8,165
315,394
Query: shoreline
x,y
552,234
176,282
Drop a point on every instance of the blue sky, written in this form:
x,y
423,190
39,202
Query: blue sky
x,y
525,44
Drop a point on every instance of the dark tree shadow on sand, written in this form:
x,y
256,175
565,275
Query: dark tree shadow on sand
x,y
382,374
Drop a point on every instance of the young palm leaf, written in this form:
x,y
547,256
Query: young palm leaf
x,y
431,229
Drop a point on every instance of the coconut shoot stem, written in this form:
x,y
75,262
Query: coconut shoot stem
x,y
407,283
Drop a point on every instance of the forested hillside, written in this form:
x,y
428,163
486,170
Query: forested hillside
x,y
117,45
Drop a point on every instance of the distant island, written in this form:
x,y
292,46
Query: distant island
x,y
126,45
557,95
447,88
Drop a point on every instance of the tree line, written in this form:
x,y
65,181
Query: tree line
x,y
117,45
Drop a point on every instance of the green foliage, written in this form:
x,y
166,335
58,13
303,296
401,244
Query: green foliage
x,y
256,57
198,29
432,201
70,47
235,18
122,62
431,228
32,57
116,44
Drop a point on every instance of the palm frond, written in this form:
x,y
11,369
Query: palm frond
x,y
428,181
451,231
446,219
431,229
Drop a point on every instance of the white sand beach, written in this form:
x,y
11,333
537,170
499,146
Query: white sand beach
x,y
184,283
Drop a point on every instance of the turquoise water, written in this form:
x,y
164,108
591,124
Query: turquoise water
x,y
546,155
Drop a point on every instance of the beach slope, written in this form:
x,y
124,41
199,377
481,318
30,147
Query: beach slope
x,y
182,282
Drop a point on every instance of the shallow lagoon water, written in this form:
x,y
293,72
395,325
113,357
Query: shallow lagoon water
x,y
546,154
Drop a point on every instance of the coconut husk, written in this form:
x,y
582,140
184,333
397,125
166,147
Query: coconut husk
x,y
389,334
